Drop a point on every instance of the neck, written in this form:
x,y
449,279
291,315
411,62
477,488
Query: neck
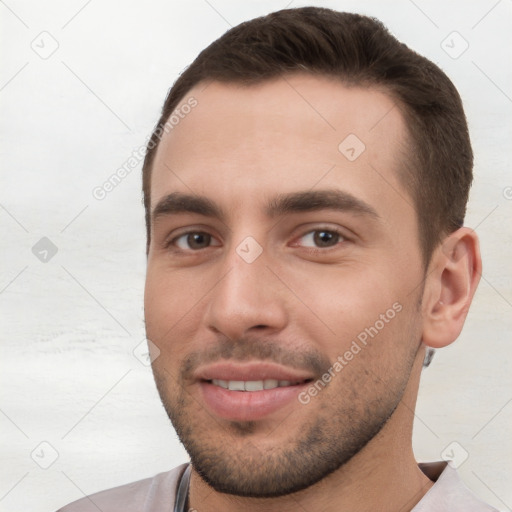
x,y
383,476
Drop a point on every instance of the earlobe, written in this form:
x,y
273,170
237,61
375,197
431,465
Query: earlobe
x,y
452,280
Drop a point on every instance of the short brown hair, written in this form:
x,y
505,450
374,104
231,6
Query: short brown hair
x,y
360,51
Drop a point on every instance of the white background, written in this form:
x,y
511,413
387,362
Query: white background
x,y
69,326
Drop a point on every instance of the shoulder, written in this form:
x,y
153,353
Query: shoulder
x,y
148,495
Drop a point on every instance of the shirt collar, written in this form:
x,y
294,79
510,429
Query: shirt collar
x,y
448,494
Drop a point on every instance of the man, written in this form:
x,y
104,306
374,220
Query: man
x,y
305,190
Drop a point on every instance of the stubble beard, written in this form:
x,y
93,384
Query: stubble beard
x,y
347,419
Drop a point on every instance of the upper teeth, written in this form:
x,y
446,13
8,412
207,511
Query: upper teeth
x,y
251,385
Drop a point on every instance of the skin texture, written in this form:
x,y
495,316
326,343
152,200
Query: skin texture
x,y
304,300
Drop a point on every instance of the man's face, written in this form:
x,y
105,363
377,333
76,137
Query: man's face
x,y
275,292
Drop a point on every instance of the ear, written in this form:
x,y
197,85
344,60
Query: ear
x,y
453,275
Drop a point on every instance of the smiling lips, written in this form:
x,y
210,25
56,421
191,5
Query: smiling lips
x,y
250,391
252,385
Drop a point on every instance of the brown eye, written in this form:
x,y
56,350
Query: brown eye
x,y
325,238
320,238
192,241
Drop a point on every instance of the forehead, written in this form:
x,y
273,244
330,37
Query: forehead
x,y
287,133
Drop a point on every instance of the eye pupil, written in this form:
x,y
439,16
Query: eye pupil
x,y
325,238
198,240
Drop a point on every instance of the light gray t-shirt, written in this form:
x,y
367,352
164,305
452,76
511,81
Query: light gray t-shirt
x,y
157,494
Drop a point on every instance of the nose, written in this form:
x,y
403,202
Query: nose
x,y
248,298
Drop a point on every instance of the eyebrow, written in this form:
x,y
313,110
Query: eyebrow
x,y
282,204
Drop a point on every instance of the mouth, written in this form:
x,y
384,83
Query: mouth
x,y
255,385
250,391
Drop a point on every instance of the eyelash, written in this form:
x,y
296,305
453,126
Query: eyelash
x,y
332,231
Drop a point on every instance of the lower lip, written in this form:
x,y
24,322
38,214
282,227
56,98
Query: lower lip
x,y
248,405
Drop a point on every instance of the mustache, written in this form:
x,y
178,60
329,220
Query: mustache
x,y
261,349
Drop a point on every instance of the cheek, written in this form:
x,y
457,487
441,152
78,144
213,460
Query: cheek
x,y
155,296
358,308
162,312
174,305
353,295
373,354
167,299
